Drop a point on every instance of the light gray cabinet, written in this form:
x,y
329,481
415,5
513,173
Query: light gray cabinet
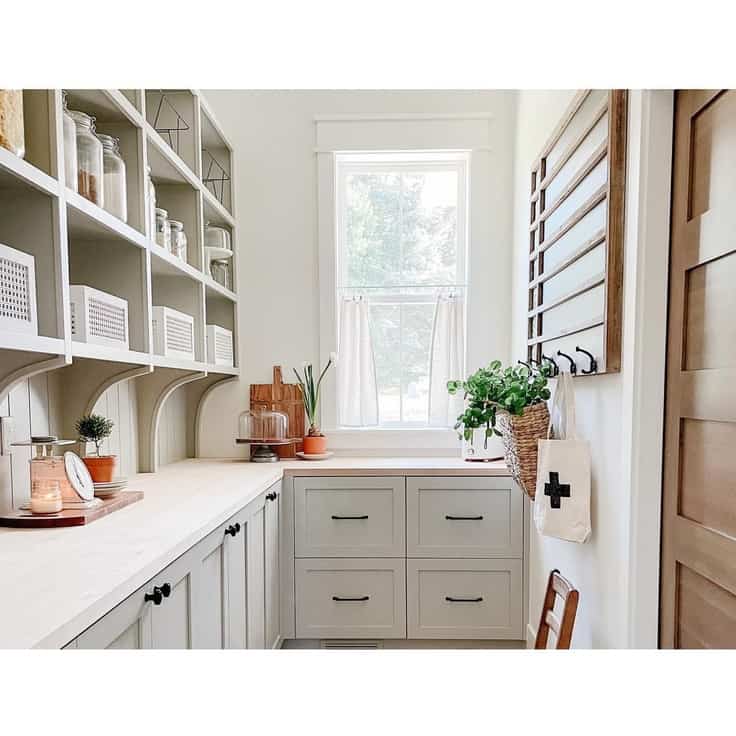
x,y
435,557
223,593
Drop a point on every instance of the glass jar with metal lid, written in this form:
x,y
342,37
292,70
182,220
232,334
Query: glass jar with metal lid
x,y
178,239
89,158
163,229
116,197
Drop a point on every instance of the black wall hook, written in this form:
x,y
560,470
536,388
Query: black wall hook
x,y
573,366
555,367
593,367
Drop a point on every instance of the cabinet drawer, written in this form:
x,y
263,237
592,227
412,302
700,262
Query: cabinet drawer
x,y
464,599
464,517
343,599
349,517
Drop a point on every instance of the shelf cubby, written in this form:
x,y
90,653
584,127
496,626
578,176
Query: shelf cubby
x,y
216,162
184,204
184,295
179,132
30,222
115,267
116,117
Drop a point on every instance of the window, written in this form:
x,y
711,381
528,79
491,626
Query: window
x,y
401,252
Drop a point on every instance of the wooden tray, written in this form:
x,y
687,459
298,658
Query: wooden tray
x,y
70,517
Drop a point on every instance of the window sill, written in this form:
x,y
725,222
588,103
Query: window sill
x,y
382,440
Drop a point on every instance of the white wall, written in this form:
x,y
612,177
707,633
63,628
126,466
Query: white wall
x,y
605,568
273,134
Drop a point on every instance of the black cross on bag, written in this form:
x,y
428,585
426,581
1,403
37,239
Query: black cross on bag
x,y
556,490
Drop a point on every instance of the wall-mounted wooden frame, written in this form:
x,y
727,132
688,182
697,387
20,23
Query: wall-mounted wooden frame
x,y
576,234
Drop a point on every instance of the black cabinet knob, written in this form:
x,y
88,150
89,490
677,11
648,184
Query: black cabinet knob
x,y
237,527
166,590
271,496
156,597
231,530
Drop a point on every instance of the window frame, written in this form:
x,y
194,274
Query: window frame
x,y
405,162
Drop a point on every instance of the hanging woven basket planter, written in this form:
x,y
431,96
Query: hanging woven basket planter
x,y
520,435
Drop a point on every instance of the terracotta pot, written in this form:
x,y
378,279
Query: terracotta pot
x,y
101,468
315,445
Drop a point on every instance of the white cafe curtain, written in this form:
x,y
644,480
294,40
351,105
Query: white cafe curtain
x,y
357,392
446,360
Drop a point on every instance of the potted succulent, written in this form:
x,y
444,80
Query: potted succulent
x,y
96,428
315,443
510,403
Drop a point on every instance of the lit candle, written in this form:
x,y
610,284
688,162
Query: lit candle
x,y
45,497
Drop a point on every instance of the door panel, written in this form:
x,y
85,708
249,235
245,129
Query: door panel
x,y
273,624
256,578
698,588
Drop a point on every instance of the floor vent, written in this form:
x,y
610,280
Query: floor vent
x,y
351,644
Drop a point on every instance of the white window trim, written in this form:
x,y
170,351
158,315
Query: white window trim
x,y
487,326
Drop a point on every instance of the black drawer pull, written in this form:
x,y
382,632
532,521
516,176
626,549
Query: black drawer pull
x,y
359,517
449,598
463,518
271,496
343,599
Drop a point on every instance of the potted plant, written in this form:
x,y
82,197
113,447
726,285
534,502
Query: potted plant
x,y
510,403
96,428
315,443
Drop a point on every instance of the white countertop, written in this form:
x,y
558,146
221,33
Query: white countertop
x,y
54,583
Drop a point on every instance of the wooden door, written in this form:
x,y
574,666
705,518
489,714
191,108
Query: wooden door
x,y
271,544
698,580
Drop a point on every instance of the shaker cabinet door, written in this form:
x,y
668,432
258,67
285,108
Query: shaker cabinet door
x,y
127,626
272,541
256,575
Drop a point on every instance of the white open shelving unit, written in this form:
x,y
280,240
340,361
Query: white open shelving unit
x,y
73,241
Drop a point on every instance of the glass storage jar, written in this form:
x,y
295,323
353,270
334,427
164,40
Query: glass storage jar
x,y
116,197
151,205
11,121
70,147
220,271
89,158
216,237
178,239
163,230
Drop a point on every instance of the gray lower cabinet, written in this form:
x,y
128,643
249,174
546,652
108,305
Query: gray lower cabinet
x,y
417,557
220,594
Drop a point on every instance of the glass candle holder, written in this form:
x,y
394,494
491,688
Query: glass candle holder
x,y
46,497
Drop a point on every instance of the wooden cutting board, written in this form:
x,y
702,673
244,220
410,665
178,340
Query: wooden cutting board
x,y
286,398
71,517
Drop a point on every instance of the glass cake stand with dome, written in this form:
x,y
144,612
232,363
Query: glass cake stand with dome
x,y
264,429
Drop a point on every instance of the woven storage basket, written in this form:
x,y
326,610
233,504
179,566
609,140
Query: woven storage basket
x,y
520,435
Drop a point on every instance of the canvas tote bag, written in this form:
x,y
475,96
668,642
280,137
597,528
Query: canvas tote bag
x,y
562,502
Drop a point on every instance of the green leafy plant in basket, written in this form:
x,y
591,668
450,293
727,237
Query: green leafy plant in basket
x,y
495,389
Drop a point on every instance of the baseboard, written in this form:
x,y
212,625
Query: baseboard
x,y
531,636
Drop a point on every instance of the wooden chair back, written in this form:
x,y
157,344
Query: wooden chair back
x,y
561,626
